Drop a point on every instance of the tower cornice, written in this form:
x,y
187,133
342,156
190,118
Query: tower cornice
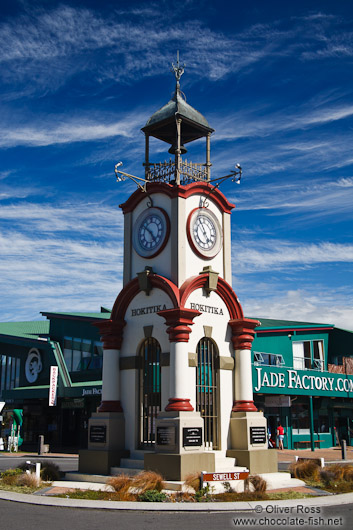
x,y
184,192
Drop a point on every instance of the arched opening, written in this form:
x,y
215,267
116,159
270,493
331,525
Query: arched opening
x,y
207,394
149,391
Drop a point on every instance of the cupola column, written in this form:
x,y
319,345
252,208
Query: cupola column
x,y
147,155
208,156
178,151
179,322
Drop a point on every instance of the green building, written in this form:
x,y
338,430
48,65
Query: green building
x,y
302,378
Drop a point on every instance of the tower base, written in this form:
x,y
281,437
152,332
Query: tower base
x,y
106,443
249,444
178,467
258,461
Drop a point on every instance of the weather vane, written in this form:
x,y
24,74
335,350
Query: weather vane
x,y
177,69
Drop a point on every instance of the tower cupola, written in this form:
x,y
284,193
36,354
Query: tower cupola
x,y
177,123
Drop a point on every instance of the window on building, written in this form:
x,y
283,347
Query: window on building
x,y
308,355
82,354
149,390
268,359
300,418
207,398
9,372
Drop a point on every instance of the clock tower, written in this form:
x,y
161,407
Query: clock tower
x,y
177,386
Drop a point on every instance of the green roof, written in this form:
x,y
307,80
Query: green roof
x,y
64,314
26,330
270,323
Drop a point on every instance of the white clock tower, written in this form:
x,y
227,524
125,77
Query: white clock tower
x,y
177,386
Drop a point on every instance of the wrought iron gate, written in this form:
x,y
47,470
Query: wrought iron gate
x,y
150,390
207,397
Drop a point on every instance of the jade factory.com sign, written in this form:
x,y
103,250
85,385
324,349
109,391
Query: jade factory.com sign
x,y
301,382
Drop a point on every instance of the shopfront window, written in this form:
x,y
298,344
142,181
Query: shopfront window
x,y
308,355
300,418
9,372
82,354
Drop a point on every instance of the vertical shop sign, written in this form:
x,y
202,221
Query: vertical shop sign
x,y
53,385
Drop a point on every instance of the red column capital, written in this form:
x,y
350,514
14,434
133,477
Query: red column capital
x,y
243,332
178,321
111,332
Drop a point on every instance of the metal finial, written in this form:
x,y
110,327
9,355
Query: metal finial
x,y
178,69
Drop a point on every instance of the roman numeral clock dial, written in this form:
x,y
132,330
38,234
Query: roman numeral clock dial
x,y
151,232
204,233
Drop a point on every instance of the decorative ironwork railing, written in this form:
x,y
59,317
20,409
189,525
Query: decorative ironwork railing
x,y
167,171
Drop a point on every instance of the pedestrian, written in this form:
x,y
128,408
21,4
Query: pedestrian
x,y
280,434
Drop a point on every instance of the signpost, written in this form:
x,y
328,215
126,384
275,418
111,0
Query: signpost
x,y
223,476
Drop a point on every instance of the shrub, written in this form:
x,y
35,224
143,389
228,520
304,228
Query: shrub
x,y
148,480
341,472
50,471
307,469
152,496
120,483
28,480
259,484
193,481
348,473
9,477
203,494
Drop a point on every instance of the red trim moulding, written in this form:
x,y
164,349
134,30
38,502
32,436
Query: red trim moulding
x,y
179,191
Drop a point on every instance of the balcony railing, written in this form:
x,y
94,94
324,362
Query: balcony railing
x,y
276,359
167,172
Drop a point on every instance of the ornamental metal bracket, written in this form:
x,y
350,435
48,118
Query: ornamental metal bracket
x,y
121,176
235,175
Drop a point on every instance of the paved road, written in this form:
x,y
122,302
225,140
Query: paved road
x,y
31,517
65,463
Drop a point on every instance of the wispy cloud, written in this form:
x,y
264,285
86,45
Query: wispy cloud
x,y
58,258
274,254
307,305
61,130
65,37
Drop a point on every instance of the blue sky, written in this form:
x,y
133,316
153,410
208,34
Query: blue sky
x,y
79,79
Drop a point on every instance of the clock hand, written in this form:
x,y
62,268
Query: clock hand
x,y
204,231
152,234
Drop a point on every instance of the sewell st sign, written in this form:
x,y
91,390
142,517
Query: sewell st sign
x,y
224,476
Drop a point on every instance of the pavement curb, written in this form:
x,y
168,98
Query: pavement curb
x,y
334,500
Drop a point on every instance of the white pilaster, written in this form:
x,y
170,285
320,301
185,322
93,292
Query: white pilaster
x,y
111,376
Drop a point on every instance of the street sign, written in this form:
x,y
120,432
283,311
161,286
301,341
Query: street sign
x,y
224,476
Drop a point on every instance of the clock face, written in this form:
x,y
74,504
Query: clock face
x,y
204,233
151,231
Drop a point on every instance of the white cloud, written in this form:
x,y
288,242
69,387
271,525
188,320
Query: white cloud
x,y
303,305
62,130
269,255
64,38
59,258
